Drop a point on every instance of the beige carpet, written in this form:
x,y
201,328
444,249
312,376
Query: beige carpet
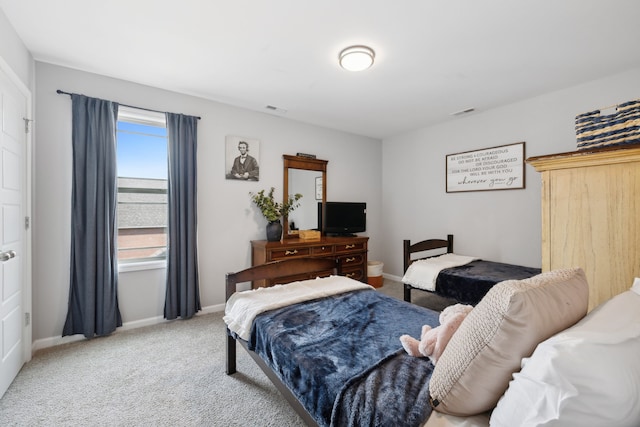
x,y
163,375
418,297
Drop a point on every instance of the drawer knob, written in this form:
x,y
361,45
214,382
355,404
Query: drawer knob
x,y
350,275
350,259
349,246
293,252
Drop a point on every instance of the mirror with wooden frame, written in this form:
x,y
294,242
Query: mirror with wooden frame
x,y
308,177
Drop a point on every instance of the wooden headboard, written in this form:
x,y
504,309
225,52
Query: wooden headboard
x,y
425,245
284,271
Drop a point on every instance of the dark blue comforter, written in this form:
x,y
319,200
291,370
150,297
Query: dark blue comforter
x,y
469,283
342,358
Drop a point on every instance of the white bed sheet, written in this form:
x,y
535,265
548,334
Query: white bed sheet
x,y
243,307
424,272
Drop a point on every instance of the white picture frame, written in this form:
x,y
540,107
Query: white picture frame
x,y
489,169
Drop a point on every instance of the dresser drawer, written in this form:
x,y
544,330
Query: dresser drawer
x,y
351,260
354,273
322,250
351,252
350,247
283,253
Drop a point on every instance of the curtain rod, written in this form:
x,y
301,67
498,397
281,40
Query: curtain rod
x,y
61,92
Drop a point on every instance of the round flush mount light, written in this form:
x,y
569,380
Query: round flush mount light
x,y
356,58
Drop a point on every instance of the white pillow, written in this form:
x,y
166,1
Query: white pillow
x,y
586,375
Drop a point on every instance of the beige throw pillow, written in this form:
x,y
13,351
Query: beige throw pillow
x,y
506,325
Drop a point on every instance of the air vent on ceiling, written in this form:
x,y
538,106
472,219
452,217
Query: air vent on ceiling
x,y
275,109
465,111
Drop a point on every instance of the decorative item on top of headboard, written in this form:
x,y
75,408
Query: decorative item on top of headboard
x,y
494,168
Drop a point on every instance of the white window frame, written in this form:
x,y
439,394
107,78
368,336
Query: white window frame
x,y
149,118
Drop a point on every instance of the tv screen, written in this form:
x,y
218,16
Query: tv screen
x,y
342,218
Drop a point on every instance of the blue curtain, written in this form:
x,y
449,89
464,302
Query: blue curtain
x,y
93,300
183,294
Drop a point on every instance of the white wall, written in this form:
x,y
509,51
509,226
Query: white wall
x,y
227,220
499,226
14,53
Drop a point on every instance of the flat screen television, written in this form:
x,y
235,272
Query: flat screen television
x,y
342,218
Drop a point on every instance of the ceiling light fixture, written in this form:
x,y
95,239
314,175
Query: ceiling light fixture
x,y
356,58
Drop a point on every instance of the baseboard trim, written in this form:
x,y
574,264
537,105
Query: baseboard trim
x,y
392,277
55,341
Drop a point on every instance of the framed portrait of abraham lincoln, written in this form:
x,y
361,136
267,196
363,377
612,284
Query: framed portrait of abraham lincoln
x,y
242,158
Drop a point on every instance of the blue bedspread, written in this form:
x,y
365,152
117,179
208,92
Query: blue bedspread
x,y
470,282
394,392
342,355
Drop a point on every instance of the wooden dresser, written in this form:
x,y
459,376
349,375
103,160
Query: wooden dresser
x,y
352,252
591,216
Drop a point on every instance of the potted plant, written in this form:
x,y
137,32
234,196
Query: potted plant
x,y
273,210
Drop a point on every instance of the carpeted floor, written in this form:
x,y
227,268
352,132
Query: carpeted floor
x,y
418,297
170,374
163,375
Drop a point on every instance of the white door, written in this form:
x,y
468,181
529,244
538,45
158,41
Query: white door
x,y
13,106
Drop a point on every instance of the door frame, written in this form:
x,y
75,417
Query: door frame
x,y
28,198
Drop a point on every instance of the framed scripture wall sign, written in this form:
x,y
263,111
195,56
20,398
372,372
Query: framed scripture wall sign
x,y
495,168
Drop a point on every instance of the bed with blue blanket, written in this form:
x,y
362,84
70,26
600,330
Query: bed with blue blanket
x,y
465,279
331,345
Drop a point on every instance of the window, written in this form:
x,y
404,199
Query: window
x,y
142,185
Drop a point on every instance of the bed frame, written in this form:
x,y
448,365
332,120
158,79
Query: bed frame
x,y
468,282
279,272
423,246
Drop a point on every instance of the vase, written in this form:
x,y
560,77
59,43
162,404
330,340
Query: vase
x,y
274,231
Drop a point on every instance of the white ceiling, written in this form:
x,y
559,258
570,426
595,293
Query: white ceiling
x,y
433,57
